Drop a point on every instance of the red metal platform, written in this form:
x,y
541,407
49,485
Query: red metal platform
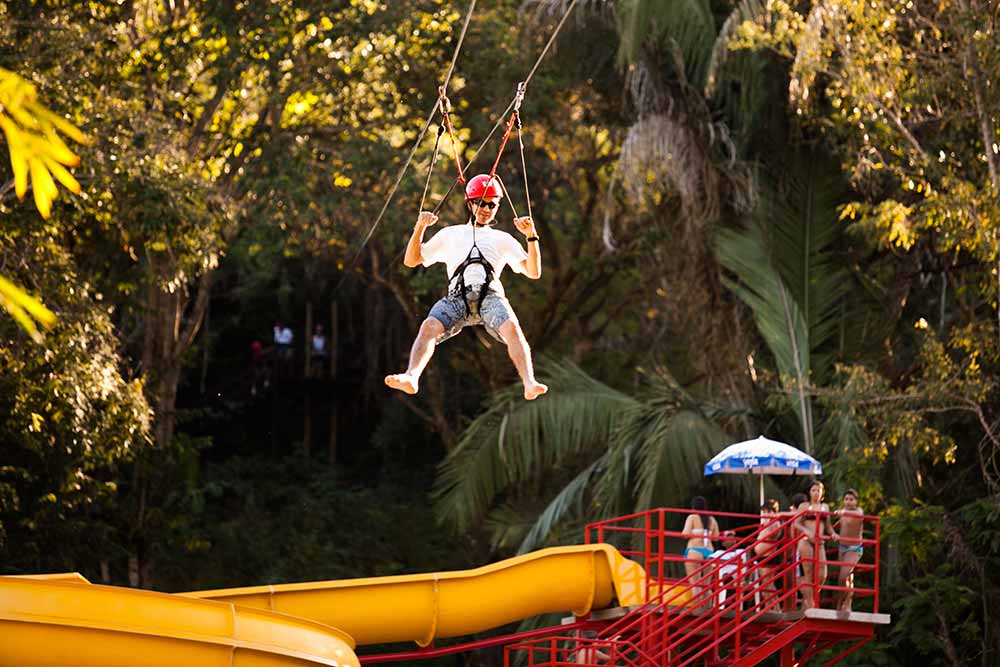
x,y
737,607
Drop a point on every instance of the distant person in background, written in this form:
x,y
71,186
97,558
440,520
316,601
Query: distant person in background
x,y
793,508
815,530
320,351
850,525
258,369
699,529
767,540
588,653
797,500
283,339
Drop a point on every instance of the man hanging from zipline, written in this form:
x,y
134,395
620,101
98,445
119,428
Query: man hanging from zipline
x,y
475,255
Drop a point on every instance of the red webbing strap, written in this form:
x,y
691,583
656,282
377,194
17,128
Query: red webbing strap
x,y
445,106
503,143
454,143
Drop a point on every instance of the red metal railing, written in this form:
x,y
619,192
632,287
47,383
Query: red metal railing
x,y
716,609
578,651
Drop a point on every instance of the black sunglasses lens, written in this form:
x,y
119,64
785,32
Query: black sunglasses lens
x,y
489,204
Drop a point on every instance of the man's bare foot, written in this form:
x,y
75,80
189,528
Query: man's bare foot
x,y
534,390
403,382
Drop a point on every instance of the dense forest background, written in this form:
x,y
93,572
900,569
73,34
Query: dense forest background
x,y
773,218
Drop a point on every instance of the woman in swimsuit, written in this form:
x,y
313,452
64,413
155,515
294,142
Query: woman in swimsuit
x,y
699,528
810,548
767,540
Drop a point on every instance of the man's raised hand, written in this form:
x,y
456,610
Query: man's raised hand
x,y
525,225
426,219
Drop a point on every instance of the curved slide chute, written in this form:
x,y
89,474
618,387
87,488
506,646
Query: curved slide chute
x,y
423,607
55,621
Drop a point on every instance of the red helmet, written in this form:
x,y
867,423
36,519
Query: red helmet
x,y
483,186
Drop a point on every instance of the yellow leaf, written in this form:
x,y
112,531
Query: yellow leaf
x,y
21,317
18,297
18,158
341,181
62,175
61,124
20,166
56,148
42,187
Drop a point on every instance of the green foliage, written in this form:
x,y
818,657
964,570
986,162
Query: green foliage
x,y
254,521
71,421
788,275
945,611
905,89
590,451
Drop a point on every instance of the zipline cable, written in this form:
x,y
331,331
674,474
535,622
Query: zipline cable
x,y
409,158
552,39
451,68
434,157
514,105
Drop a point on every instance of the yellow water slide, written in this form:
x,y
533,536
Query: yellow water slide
x,y
60,620
423,607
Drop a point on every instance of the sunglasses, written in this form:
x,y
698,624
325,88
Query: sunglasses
x,y
489,205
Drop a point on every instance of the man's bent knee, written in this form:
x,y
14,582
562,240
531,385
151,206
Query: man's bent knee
x,y
431,327
510,331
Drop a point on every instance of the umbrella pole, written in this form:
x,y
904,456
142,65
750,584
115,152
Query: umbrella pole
x,y
761,490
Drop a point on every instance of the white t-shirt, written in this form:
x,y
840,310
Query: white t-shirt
x,y
283,336
453,244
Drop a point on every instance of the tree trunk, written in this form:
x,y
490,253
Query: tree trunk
x,y
307,380
307,339
172,322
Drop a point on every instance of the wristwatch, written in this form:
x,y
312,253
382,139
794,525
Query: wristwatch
x,y
531,238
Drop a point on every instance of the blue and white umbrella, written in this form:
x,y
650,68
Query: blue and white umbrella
x,y
763,456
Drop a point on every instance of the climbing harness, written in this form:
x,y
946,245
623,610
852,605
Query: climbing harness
x,y
479,187
462,289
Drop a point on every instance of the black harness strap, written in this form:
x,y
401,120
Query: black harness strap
x,y
471,259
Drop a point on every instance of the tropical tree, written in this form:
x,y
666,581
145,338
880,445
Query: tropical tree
x,y
587,452
787,272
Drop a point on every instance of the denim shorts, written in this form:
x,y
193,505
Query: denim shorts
x,y
450,311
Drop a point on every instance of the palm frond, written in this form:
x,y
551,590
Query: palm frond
x,y
788,273
673,455
805,231
515,440
684,26
778,317
664,152
554,9
746,10
568,502
658,454
507,525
